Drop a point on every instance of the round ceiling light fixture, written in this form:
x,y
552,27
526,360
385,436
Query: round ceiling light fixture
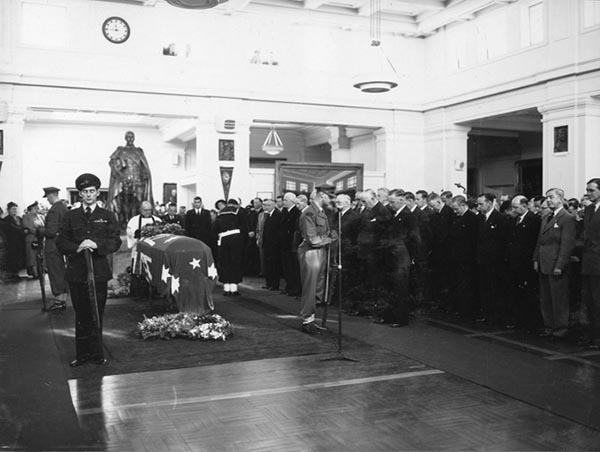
x,y
195,4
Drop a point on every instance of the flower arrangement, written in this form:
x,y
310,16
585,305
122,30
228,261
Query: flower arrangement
x,y
187,325
150,230
120,287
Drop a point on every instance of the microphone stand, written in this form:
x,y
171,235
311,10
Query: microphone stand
x,y
339,356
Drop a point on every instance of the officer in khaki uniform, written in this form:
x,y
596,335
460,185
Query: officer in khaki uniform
x,y
89,227
312,257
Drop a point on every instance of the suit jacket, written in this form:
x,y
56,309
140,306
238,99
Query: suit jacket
x,y
290,224
590,264
272,236
556,242
441,225
199,226
522,241
350,225
492,239
175,220
373,226
403,238
424,221
463,238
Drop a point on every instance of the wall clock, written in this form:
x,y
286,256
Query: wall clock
x,y
116,30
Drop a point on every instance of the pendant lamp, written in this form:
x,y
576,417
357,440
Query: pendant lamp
x,y
380,75
195,4
273,144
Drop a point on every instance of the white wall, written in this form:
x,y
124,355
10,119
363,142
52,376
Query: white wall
x,y
55,154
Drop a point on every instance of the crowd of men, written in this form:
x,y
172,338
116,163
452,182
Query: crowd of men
x,y
515,262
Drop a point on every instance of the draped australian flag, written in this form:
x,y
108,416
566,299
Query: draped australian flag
x,y
182,267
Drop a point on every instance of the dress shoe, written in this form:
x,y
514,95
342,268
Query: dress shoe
x,y
78,362
481,320
227,293
234,294
100,361
395,325
545,333
57,306
310,328
378,320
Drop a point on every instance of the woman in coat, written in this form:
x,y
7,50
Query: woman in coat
x,y
15,242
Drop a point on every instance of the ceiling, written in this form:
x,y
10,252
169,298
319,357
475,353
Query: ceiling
x,y
411,18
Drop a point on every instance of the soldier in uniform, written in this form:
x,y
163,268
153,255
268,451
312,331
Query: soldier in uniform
x,y
89,227
55,261
231,227
312,256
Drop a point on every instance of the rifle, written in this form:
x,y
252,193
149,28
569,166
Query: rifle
x,y
91,287
39,259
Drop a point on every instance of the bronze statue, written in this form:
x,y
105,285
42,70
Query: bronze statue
x,y
130,180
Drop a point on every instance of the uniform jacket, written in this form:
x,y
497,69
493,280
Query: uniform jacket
x,y
53,219
522,241
102,228
231,218
556,242
314,227
591,242
403,238
492,238
463,238
199,226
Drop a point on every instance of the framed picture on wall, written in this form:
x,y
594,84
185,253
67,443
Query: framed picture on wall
x,y
561,139
305,177
169,193
226,150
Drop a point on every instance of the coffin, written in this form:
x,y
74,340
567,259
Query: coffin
x,y
180,267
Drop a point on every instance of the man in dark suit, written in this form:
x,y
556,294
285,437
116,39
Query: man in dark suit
x,y
172,217
370,241
552,254
492,240
420,271
271,244
198,224
590,266
403,242
463,256
289,253
441,223
523,306
350,222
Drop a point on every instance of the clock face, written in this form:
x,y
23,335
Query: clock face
x,y
116,30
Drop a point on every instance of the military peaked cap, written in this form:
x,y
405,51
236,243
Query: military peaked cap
x,y
87,180
48,190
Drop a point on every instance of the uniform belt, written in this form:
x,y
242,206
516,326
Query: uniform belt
x,y
226,234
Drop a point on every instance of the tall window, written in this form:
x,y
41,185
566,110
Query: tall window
x,y
591,13
532,24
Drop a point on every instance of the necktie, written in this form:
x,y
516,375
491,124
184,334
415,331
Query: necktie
x,y
88,211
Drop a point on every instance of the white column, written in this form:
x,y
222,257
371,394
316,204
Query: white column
x,y
12,178
338,155
208,175
571,169
445,160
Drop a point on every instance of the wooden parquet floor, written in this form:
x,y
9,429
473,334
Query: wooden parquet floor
x,y
385,402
